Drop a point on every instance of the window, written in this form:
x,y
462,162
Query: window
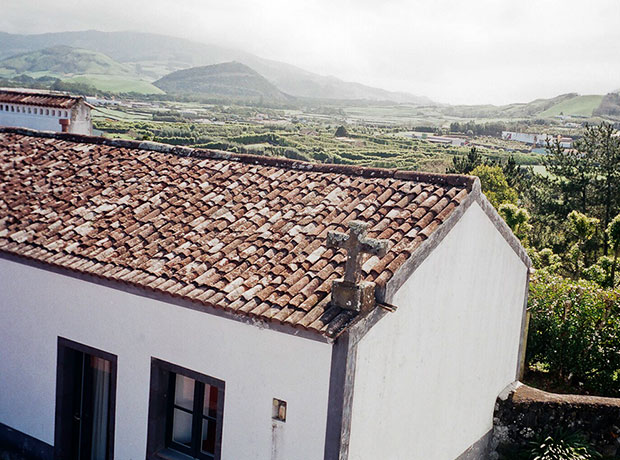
x,y
47,111
185,413
85,401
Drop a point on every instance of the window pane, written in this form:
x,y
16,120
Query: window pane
x,y
207,442
101,378
210,404
184,392
182,427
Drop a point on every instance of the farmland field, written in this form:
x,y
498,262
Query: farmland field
x,y
581,106
311,141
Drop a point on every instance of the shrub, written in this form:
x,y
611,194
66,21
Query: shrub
x,y
575,332
561,446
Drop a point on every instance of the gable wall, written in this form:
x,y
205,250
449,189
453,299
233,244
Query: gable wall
x,y
427,376
37,306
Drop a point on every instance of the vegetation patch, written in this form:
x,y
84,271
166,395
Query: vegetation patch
x,y
580,106
116,84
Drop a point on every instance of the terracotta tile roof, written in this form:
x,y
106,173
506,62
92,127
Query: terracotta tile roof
x,y
46,99
238,232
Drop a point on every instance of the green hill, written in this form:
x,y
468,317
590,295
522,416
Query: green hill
x,y
77,65
63,60
565,104
580,106
230,80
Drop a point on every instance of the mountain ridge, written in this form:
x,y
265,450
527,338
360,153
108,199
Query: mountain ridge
x,y
156,55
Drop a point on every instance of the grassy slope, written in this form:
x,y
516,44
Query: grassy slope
x,y
78,65
64,60
580,106
117,84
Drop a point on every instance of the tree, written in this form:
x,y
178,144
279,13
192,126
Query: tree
x,y
517,219
580,235
341,132
466,164
572,176
513,172
613,233
601,145
494,185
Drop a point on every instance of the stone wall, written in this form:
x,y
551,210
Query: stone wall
x,y
523,413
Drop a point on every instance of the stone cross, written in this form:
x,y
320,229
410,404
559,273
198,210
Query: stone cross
x,y
349,293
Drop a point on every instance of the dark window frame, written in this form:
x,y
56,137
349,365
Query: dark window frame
x,y
61,394
161,406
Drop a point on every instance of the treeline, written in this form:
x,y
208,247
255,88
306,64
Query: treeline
x,y
472,128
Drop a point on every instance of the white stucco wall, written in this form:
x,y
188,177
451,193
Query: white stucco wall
x,y
33,121
37,306
46,119
427,376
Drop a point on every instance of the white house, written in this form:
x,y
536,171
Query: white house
x,y
537,139
162,302
45,111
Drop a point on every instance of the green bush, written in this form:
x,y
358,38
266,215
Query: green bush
x,y
561,446
575,332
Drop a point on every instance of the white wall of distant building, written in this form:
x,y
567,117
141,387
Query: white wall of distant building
x,y
46,118
536,139
37,306
427,376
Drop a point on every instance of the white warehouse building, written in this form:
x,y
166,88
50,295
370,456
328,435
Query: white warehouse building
x,y
45,111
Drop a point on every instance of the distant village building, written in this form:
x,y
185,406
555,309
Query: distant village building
x,y
446,140
45,111
163,302
536,139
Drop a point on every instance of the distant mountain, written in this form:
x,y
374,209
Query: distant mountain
x,y
227,80
63,61
154,55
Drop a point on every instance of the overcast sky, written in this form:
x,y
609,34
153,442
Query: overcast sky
x,y
455,51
